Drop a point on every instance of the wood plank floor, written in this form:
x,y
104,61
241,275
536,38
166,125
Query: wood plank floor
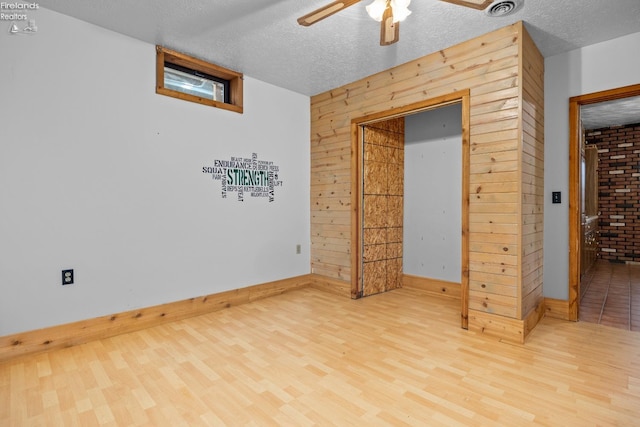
x,y
308,357
610,295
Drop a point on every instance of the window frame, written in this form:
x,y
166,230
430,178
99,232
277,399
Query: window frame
x,y
167,56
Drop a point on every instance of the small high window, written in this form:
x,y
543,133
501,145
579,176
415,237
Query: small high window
x,y
195,83
191,79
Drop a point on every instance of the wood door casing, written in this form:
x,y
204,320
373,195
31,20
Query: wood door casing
x,y
575,183
357,191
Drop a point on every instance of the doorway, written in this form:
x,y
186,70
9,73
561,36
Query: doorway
x,y
576,184
361,208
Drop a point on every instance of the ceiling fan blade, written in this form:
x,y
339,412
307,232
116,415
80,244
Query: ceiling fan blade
x,y
389,30
474,4
323,12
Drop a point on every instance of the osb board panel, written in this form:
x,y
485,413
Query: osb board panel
x,y
395,177
393,126
375,153
394,274
376,277
372,236
375,178
490,67
394,234
382,137
393,250
376,211
383,152
395,209
374,252
382,275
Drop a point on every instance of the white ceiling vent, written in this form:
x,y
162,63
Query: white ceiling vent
x,y
503,7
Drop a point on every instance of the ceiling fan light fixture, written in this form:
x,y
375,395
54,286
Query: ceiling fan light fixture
x,y
400,9
376,9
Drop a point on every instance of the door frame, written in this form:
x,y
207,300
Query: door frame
x,y
462,97
575,184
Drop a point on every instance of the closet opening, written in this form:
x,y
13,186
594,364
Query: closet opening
x,y
410,197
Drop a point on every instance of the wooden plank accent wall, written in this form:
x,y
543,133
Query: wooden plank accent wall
x,y
432,286
532,167
501,237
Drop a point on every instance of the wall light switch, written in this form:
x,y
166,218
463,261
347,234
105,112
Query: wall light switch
x,y
556,197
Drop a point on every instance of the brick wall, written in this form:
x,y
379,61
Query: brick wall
x,y
619,191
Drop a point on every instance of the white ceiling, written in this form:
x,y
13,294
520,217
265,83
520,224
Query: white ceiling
x,y
262,39
624,111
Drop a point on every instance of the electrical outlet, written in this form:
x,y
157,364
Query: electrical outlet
x,y
298,249
556,197
67,277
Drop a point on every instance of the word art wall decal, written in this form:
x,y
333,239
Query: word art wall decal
x,y
246,177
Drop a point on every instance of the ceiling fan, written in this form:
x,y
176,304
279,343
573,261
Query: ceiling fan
x,y
388,12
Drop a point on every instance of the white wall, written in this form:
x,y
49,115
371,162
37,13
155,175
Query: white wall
x,y
433,194
598,67
100,174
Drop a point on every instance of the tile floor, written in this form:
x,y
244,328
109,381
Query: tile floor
x,y
610,295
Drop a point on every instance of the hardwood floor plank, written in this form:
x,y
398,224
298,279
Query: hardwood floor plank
x,y
309,357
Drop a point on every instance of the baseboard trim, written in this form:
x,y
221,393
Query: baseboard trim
x,y
70,334
328,284
557,308
432,286
506,328
497,326
534,317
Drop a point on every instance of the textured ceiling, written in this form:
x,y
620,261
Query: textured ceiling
x,y
262,39
624,111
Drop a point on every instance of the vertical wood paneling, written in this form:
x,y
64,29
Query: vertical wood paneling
x,y
505,122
